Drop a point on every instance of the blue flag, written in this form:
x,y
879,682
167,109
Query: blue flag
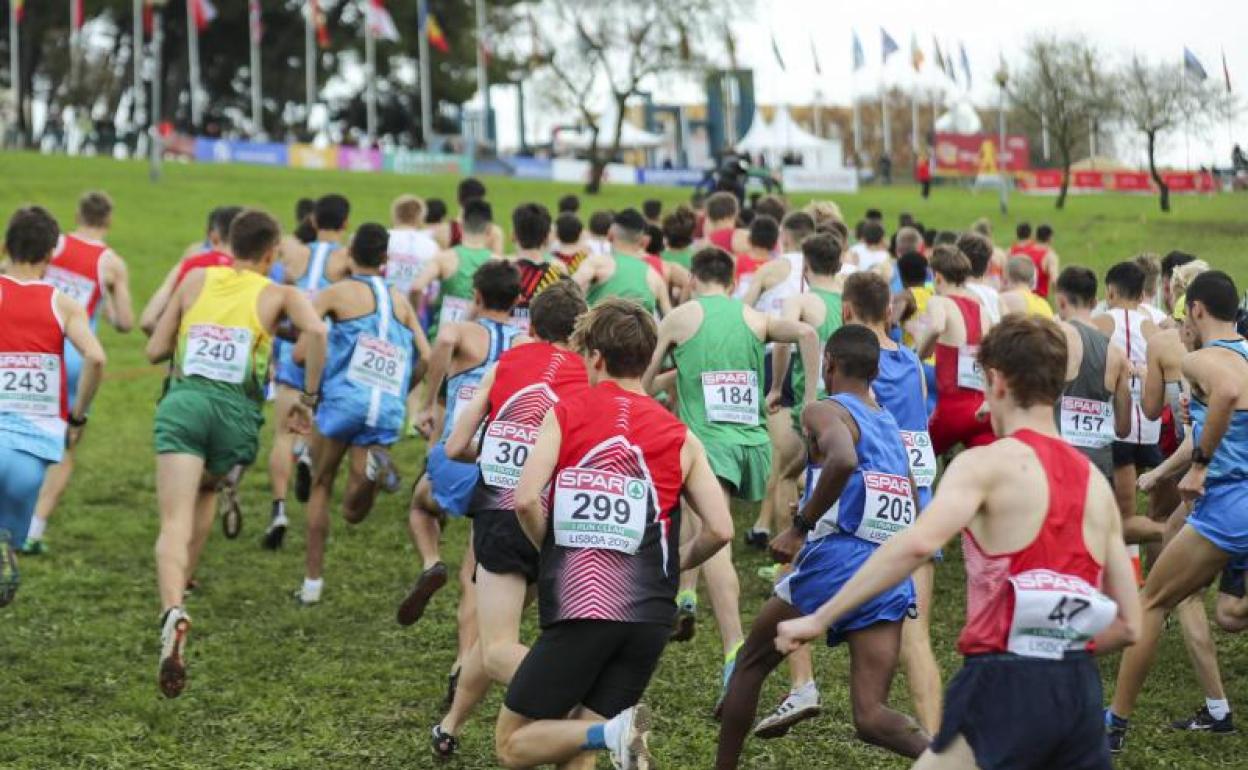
x,y
1192,65
966,65
775,49
860,60
888,46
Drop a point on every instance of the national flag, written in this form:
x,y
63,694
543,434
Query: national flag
x,y
76,16
888,46
429,27
203,12
255,21
1193,66
814,55
1226,72
860,59
730,44
18,10
775,50
966,64
148,20
916,54
940,56
313,9
380,22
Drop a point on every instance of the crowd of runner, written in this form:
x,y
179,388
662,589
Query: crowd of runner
x,y
598,391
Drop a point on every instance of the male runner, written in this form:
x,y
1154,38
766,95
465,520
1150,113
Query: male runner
x,y
455,267
617,464
720,228
1170,302
450,234
1047,265
37,424
369,369
530,229
1150,300
678,227
624,272
323,263
218,329
598,240
89,272
462,353
956,322
1017,296
1047,572
511,402
978,251
569,248
717,344
1216,484
764,236
216,254
860,496
871,251
410,247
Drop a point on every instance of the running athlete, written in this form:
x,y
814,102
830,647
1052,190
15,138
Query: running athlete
x,y
324,263
979,251
764,237
455,267
1040,252
678,226
1017,296
598,240
1216,483
462,353
37,424
720,228
1047,573
375,341
624,272
530,228
450,234
89,272
956,322
218,329
511,402
410,247
717,344
569,247
214,253
616,464
860,495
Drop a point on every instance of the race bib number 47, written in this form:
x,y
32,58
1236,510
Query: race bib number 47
x,y
1054,613
888,504
599,509
378,363
218,353
1087,423
731,396
30,384
504,451
970,373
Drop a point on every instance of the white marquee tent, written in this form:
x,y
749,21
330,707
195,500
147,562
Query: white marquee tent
x,y
783,135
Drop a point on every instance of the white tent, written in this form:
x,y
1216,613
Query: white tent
x,y
783,136
632,138
962,118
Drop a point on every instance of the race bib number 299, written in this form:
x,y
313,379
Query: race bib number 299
x,y
599,509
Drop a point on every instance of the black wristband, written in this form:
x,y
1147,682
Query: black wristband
x,y
801,524
1199,457
76,422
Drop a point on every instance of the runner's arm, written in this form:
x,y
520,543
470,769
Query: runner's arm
x,y
304,317
706,500
664,343
807,339
164,339
538,470
1118,583
1177,463
436,269
589,271
781,355
117,293
439,363
324,303
409,319
1153,399
1223,387
1053,266
831,438
78,332
937,320
468,419
155,305
762,276
658,287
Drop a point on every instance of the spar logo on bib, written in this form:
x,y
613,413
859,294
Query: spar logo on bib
x,y
893,485
213,333
1045,580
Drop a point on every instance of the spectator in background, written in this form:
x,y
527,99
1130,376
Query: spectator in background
x,y
923,174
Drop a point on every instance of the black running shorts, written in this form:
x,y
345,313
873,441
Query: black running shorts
x,y
1139,455
1027,714
599,664
501,545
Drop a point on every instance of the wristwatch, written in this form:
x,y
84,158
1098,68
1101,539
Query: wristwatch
x,y
76,422
310,400
801,524
1199,457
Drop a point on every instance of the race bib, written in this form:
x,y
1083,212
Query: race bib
x,y
888,507
462,398
505,449
401,271
453,309
731,396
921,455
520,319
1054,613
1087,423
378,363
970,374
600,509
217,353
30,384
78,287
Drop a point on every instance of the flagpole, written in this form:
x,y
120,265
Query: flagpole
x,y
140,95
1187,124
888,139
857,123
426,92
158,82
309,60
192,51
483,77
15,66
74,39
257,107
914,124
370,88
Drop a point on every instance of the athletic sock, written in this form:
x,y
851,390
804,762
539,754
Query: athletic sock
x,y
807,689
37,527
279,508
312,588
687,600
1113,720
1218,709
595,738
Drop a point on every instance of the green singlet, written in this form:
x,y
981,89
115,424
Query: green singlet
x,y
628,281
831,322
456,296
682,257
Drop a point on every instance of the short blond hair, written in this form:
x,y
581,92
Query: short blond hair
x,y
1151,265
407,210
824,212
1183,276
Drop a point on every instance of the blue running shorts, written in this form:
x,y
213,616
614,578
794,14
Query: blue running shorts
x,y
453,481
351,428
1221,515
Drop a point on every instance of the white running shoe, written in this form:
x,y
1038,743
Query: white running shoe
x,y
798,706
632,749
172,672
308,596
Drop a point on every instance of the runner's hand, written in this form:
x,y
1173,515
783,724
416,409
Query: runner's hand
x,y
1192,485
73,436
784,546
1147,481
773,401
792,634
299,420
423,422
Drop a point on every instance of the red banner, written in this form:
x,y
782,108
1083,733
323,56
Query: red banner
x,y
976,154
1049,180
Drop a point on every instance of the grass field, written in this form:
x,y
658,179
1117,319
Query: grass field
x,y
341,685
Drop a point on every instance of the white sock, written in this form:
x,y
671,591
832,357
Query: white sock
x,y
807,689
312,588
37,526
611,730
1218,709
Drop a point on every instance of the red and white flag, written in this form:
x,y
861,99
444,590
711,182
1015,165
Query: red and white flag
x,y
203,12
380,22
255,21
76,16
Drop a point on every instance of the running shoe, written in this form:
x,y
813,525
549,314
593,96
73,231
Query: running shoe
x,y
231,511
1115,732
34,546
1203,721
632,749
444,744
276,531
381,468
769,572
757,539
429,583
173,633
730,665
10,579
305,598
798,706
686,617
303,476
452,684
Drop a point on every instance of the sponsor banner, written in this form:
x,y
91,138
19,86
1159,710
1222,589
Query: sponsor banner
x,y
178,145
420,162
359,159
1049,181
1188,182
226,151
1131,181
978,155
577,171
796,179
529,168
671,177
310,156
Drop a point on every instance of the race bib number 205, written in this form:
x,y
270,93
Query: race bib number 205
x,y
889,506
599,509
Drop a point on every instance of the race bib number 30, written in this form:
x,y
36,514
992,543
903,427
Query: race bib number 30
x,y
218,353
1087,423
922,456
1054,613
731,396
970,374
888,506
378,363
30,384
504,451
599,509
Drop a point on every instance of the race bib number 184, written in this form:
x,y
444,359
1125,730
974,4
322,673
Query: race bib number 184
x,y
731,396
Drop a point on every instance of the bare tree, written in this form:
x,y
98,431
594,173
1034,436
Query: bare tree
x,y
1156,99
585,46
1059,86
